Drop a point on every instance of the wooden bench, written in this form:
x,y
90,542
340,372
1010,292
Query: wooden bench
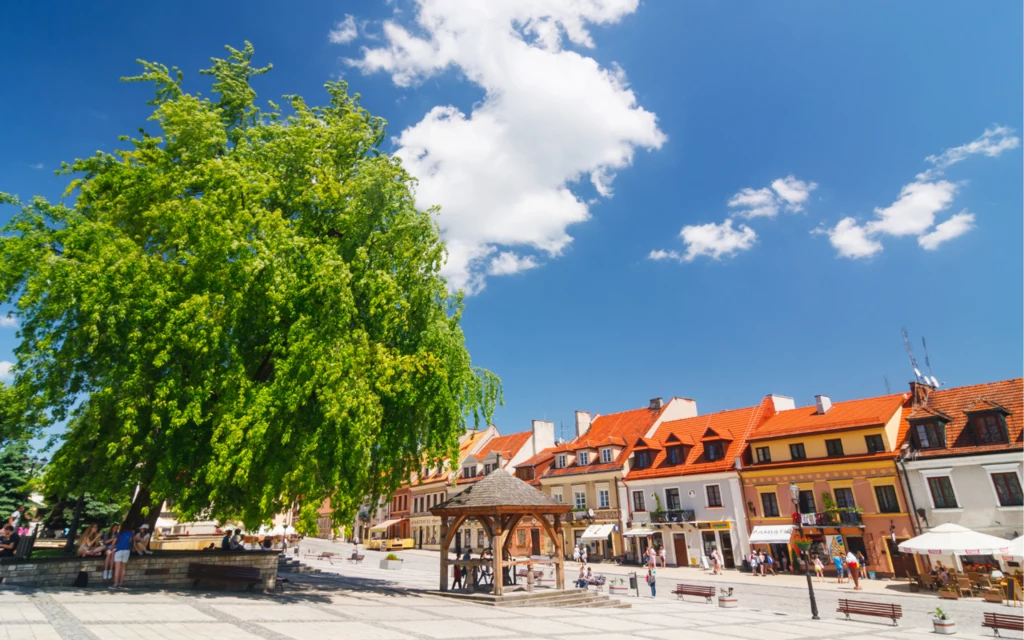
x,y
597,581
227,573
878,609
355,557
708,593
997,621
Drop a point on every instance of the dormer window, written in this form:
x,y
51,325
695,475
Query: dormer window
x,y
606,454
468,472
643,459
560,461
928,435
488,467
675,455
989,428
582,458
713,451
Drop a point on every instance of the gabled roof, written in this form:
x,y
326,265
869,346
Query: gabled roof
x,y
615,428
923,413
1004,396
471,440
689,430
505,446
710,435
646,443
850,414
547,455
497,490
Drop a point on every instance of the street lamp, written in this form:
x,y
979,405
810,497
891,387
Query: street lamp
x,y
794,495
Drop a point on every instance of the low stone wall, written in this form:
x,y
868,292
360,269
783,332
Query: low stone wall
x,y
162,570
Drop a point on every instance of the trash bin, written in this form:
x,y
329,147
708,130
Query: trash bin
x,y
633,584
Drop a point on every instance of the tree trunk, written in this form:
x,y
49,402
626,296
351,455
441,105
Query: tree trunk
x,y
141,510
69,546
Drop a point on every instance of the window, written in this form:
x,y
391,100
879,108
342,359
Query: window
x,y
606,455
770,505
560,461
672,498
643,459
675,455
989,428
886,496
844,498
579,498
834,447
806,502
764,454
468,472
521,537
469,537
875,444
714,495
479,537
713,451
582,458
1008,489
603,499
638,501
557,494
796,452
488,468
928,435
941,488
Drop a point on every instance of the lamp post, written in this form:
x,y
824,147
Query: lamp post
x,y
794,494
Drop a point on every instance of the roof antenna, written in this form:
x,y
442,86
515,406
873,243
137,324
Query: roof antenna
x,y
887,391
918,376
928,364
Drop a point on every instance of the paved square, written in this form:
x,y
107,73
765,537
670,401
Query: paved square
x,y
28,632
22,612
129,612
341,630
450,629
273,612
172,631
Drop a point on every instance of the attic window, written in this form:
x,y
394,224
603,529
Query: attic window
x,y
582,458
928,435
713,451
606,454
675,455
643,459
989,428
560,461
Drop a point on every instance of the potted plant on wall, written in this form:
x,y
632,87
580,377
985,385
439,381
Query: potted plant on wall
x,y
942,622
391,562
618,587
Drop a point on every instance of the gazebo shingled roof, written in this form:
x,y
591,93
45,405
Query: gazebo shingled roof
x,y
500,492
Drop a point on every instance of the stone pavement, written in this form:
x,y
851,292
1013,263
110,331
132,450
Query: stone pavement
x,y
365,602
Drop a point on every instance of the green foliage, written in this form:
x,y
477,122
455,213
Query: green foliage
x,y
239,312
95,510
392,556
14,478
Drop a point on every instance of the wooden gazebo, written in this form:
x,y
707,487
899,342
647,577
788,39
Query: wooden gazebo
x,y
499,502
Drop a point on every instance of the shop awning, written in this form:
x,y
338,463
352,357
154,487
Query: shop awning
x,y
383,526
954,540
597,532
769,534
639,532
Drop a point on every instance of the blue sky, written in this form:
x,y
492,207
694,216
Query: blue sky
x,y
567,145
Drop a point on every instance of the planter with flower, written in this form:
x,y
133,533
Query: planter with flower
x,y
942,623
802,543
391,562
618,587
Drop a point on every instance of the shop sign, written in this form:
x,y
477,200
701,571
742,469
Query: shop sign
x,y
714,525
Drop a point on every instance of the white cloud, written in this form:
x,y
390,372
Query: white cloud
x,y
344,31
506,263
853,240
914,211
549,117
991,143
793,192
8,322
785,192
956,226
716,240
661,254
755,203
37,165
6,373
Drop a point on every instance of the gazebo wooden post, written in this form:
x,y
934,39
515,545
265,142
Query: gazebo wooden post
x,y
497,580
559,555
444,553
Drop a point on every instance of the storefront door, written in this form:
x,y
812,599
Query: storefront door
x,y
903,565
535,542
708,538
727,558
682,554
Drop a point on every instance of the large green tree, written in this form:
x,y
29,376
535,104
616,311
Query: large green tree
x,y
239,310
14,478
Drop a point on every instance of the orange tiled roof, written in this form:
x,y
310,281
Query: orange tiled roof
x,y
842,415
1005,395
464,448
620,429
506,446
692,430
544,456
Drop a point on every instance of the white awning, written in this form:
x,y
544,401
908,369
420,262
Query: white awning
x,y
955,540
383,526
767,534
597,532
639,532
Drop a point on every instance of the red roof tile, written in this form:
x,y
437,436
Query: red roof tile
x,y
693,430
506,446
1005,396
621,429
842,415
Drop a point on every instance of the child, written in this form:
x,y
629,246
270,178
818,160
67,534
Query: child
x,y
819,568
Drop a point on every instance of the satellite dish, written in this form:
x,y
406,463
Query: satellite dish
x,y
590,512
917,373
935,382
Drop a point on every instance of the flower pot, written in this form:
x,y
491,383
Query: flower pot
x,y
945,627
727,602
391,565
618,589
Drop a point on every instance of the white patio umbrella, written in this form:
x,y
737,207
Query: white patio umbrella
x,y
1016,547
952,539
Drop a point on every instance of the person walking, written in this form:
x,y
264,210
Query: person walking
x,y
661,553
456,576
854,567
761,562
753,563
863,564
819,568
770,562
652,579
838,561
576,554
583,554
716,561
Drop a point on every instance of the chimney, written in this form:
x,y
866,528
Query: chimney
x,y
543,435
782,403
656,404
919,391
824,404
582,423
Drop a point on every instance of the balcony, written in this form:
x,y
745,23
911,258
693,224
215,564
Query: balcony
x,y
673,515
840,518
